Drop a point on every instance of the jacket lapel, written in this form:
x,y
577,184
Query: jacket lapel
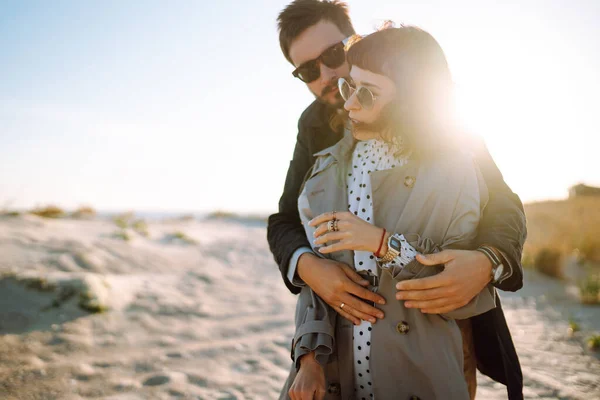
x,y
326,187
393,185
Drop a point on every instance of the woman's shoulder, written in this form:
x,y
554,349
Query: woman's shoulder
x,y
452,162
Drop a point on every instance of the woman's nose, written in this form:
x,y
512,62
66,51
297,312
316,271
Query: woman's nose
x,y
352,104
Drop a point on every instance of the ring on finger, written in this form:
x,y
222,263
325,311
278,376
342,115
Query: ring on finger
x,y
335,225
330,225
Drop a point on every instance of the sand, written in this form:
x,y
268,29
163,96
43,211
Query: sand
x,y
85,314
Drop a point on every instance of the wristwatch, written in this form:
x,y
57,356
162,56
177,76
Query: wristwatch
x,y
497,266
393,251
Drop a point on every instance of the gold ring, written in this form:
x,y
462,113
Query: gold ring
x,y
330,227
342,305
335,225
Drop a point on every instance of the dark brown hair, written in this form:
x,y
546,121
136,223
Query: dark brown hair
x,y
422,114
299,15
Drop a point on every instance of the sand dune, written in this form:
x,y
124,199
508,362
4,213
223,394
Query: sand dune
x,y
205,318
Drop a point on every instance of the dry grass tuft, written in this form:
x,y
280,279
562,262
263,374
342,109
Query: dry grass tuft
x,y
11,213
50,211
227,215
589,290
593,342
573,328
548,262
141,227
123,220
562,227
183,237
84,212
122,235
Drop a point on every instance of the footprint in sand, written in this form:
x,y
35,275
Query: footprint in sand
x,y
157,380
197,380
247,366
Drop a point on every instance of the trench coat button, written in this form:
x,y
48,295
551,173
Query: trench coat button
x,y
333,388
403,327
409,181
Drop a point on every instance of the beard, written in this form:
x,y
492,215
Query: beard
x,y
331,87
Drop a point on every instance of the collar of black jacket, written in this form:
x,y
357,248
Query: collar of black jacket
x,y
317,115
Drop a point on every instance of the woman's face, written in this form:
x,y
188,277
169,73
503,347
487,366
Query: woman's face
x,y
365,122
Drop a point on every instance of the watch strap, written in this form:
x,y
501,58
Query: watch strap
x,y
391,253
494,259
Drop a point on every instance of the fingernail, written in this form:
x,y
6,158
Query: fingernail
x,y
381,301
407,304
372,320
380,315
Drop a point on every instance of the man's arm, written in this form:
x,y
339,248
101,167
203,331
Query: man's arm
x,y
503,224
285,232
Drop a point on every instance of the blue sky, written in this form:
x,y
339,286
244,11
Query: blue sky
x,y
189,105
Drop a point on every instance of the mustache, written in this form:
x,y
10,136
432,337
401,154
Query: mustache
x,y
331,86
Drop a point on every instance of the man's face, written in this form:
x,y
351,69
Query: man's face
x,y
369,123
309,46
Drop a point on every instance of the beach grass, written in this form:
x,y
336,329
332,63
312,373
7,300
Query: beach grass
x,y
50,211
559,229
589,289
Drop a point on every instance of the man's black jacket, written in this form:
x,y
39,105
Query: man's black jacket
x,y
502,226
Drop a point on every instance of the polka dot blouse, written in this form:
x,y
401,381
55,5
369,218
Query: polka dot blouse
x,y
369,156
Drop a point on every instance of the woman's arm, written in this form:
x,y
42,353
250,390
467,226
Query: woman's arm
x,y
315,328
469,203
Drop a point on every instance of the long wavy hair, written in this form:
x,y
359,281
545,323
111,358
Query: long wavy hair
x,y
422,115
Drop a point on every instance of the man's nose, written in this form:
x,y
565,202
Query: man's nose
x,y
327,74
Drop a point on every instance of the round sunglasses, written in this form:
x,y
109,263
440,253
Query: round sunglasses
x,y
365,97
333,57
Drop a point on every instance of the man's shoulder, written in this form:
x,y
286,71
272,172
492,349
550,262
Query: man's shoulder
x,y
315,115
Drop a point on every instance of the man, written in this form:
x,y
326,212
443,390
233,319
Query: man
x,y
311,32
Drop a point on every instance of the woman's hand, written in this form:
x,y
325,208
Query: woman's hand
x,y
353,233
309,383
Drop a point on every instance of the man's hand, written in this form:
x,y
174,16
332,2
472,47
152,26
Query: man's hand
x,y
309,383
466,273
337,283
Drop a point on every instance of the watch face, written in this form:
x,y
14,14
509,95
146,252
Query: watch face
x,y
395,243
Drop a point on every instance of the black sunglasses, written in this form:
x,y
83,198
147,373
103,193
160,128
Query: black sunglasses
x,y
332,57
365,97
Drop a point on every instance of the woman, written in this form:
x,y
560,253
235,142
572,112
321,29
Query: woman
x,y
397,185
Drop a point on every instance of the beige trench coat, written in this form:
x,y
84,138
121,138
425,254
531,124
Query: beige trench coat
x,y
436,204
